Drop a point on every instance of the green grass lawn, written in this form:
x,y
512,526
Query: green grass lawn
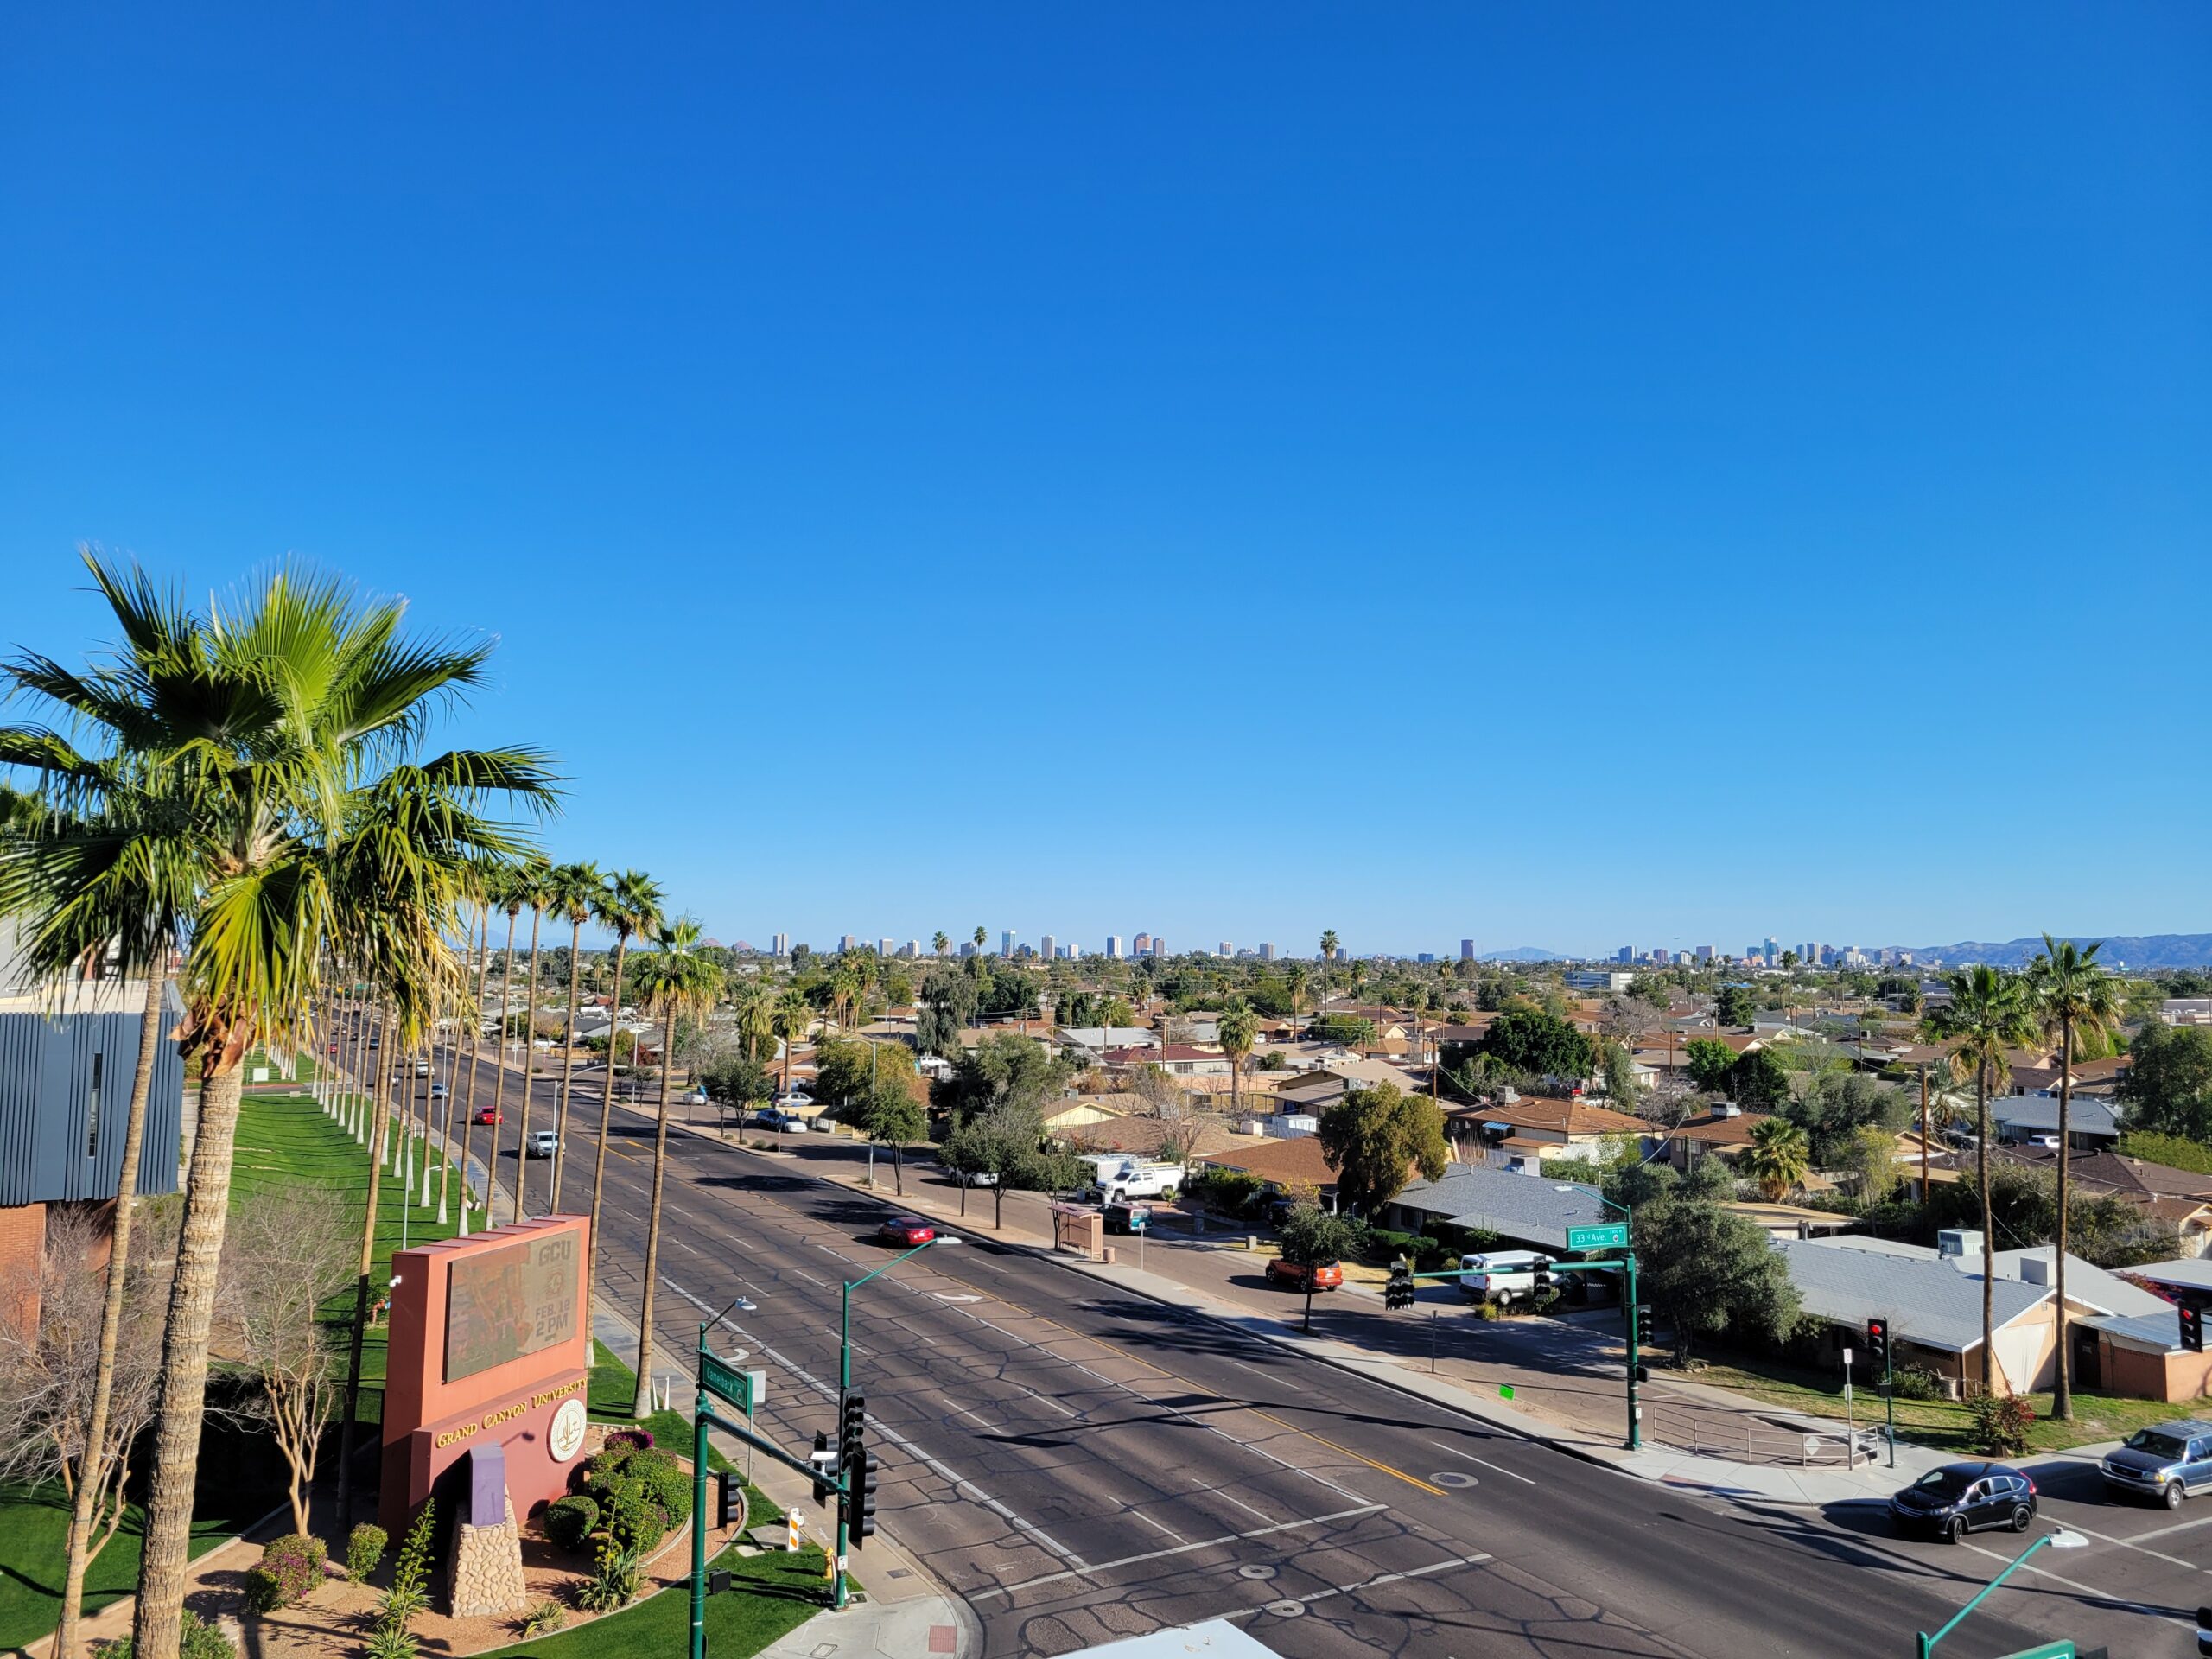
x,y
283,1141
1942,1424
34,1542
770,1596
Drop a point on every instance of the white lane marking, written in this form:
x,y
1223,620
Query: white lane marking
x,y
1223,1491
1275,1381
2178,1526
946,1296
2079,1588
1183,1549
2137,1545
973,1418
1455,1451
1046,1399
1160,1526
1476,1560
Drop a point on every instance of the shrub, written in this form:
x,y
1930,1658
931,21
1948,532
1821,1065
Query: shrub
x,y
638,1439
2001,1424
1915,1382
410,1583
290,1568
364,1547
569,1520
198,1639
542,1620
612,1584
391,1642
664,1483
1487,1309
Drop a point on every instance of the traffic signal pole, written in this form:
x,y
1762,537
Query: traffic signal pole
x,y
1635,1319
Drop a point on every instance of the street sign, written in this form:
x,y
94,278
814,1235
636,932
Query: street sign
x,y
741,1388
1605,1236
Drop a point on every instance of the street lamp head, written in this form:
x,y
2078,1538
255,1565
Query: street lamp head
x,y
948,1238
2066,1539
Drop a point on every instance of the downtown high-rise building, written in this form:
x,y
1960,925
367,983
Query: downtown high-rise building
x,y
1048,947
1626,953
1158,947
885,947
1704,953
967,948
913,950
1466,950
1113,947
781,945
1267,951
1226,948
1140,944
1006,944
847,942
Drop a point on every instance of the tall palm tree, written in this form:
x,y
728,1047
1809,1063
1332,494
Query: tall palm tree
x,y
679,982
793,1016
1328,944
939,943
130,910
1780,1157
481,889
756,1021
1235,1031
1988,1014
982,937
629,904
510,893
2071,993
1296,978
571,891
537,877
285,727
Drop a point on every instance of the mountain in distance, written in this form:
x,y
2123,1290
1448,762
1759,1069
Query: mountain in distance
x,y
1522,953
2140,951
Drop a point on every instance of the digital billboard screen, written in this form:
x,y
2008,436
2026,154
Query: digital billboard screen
x,y
517,1300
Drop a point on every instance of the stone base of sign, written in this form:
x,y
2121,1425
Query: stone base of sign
x,y
484,1569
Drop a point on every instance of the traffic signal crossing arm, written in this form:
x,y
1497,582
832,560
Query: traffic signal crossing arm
x,y
768,1448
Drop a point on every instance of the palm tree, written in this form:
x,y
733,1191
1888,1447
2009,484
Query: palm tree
x,y
481,887
1328,944
2069,992
756,1021
1780,1157
283,729
1296,978
939,943
1235,1031
792,1018
981,935
510,892
537,880
679,982
571,891
629,904
1988,1014
131,910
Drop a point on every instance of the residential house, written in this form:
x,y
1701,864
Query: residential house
x,y
1080,1111
1284,1166
1724,1131
1152,1137
2100,1078
2186,1011
1519,1134
2180,1199
2091,1123
1532,1213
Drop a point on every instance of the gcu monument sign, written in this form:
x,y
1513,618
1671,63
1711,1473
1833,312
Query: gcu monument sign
x,y
490,1346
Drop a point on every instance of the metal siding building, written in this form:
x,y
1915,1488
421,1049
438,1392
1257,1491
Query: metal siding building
x,y
58,1141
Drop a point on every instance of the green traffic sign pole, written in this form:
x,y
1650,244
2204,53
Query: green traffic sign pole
x,y
1635,1411
702,1411
844,1388
1889,1392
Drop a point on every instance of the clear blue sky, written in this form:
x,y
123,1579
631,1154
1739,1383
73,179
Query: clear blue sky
x,y
1558,475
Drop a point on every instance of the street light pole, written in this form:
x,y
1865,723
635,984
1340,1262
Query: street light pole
x,y
2059,1540
845,1384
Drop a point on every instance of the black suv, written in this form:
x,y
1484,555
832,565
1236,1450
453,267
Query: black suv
x,y
1963,1497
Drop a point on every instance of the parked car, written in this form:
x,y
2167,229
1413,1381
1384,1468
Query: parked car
x,y
2167,1461
790,1123
906,1230
1328,1276
487,1115
974,1178
1128,1219
1963,1497
797,1097
543,1143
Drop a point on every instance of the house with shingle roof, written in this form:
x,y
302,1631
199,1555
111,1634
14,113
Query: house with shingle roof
x,y
1532,1212
1522,1133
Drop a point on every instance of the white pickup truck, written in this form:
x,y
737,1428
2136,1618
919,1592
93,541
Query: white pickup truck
x,y
1118,1178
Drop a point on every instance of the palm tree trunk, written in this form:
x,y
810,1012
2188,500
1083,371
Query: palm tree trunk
x,y
1988,1231
1924,1133
118,1260
605,1113
529,1060
453,1095
642,1406
2061,1396
568,1061
377,1135
499,1083
155,1629
476,1058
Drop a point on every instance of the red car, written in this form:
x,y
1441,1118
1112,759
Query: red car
x,y
1327,1277
486,1115
908,1230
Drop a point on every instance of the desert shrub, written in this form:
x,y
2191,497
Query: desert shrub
x,y
569,1520
1915,1382
2001,1422
613,1582
198,1639
1487,1309
410,1583
391,1642
543,1619
364,1547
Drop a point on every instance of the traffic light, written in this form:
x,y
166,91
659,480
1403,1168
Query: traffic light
x,y
1640,1319
1543,1278
852,1422
1399,1293
861,1473
2192,1328
1878,1346
823,1461
729,1500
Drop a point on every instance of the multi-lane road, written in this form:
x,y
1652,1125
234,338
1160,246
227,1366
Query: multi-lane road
x,y
1079,1463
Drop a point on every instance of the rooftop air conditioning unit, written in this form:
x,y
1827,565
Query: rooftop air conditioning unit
x,y
1728,1108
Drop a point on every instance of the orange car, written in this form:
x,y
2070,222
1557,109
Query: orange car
x,y
1328,1276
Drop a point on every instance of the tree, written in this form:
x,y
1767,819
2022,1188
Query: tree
x,y
1836,1106
286,727
792,1019
1735,1005
54,1423
1537,1043
1347,1029
508,887
939,943
2069,993
1987,1014
572,891
1618,1066
735,1081
288,1254
2168,1084
1376,1136
1780,1157
1758,1081
535,877
1870,1156
1708,1270
1328,944
1006,1069
895,1117
1709,1064
1311,1236
1296,978
631,904
679,981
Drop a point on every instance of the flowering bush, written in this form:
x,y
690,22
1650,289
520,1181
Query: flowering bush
x,y
290,1568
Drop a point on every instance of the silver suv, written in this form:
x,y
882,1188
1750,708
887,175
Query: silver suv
x,y
2167,1461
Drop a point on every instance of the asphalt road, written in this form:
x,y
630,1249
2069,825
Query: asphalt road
x,y
1079,1463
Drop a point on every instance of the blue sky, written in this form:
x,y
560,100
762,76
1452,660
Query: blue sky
x,y
1563,475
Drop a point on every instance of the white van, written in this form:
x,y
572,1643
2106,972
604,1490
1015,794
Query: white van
x,y
1501,1275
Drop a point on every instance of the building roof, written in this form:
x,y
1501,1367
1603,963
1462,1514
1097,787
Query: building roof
x,y
1927,1300
1146,1137
2038,1115
2188,1273
1531,1208
1300,1162
1719,1129
2085,1282
2160,1332
1567,1116
2110,1170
